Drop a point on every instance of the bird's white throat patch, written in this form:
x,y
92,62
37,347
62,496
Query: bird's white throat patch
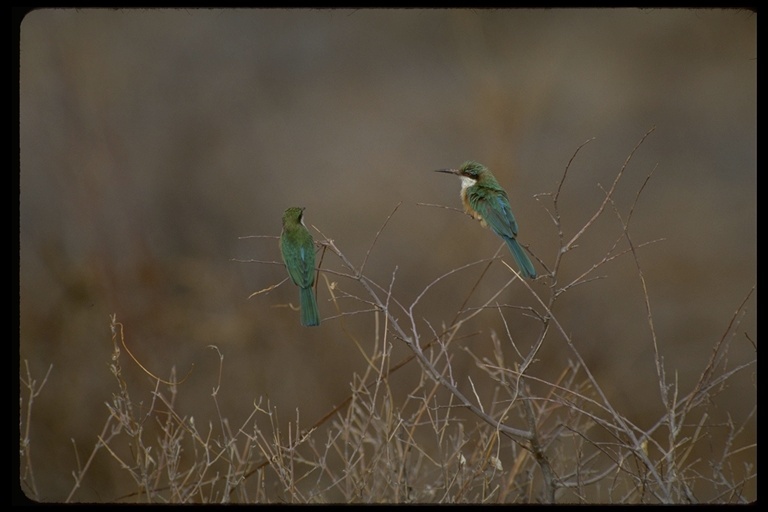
x,y
467,182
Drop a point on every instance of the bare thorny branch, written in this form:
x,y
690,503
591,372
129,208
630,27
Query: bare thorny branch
x,y
33,390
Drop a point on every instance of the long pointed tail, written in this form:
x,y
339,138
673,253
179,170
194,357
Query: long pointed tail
x,y
309,314
523,262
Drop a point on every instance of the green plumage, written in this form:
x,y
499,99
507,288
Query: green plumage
x,y
298,250
485,200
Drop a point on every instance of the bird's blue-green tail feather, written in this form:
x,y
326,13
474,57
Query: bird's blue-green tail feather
x,y
523,262
309,314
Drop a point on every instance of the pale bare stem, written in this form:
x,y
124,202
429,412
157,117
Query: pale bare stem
x,y
267,289
323,249
170,455
735,432
443,276
555,213
274,237
228,442
215,390
365,282
187,425
444,207
704,393
291,463
286,456
723,465
497,343
244,456
357,274
477,398
564,247
263,262
423,409
335,294
274,451
730,331
121,410
375,238
107,434
625,231
453,330
266,446
380,371
472,290
550,480
118,326
582,279
33,391
602,206
342,294
253,440
531,357
562,179
443,352
692,441
646,300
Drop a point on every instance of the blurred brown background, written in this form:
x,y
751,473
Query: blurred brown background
x,y
153,140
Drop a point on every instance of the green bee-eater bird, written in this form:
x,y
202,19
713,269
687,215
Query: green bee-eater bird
x,y
485,200
298,250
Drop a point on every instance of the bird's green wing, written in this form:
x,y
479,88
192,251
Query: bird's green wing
x,y
494,207
299,257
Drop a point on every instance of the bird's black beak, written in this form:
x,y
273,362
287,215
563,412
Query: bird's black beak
x,y
448,171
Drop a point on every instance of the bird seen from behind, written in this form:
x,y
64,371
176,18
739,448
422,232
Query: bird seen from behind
x,y
298,250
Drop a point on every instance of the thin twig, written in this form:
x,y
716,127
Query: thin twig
x,y
609,194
